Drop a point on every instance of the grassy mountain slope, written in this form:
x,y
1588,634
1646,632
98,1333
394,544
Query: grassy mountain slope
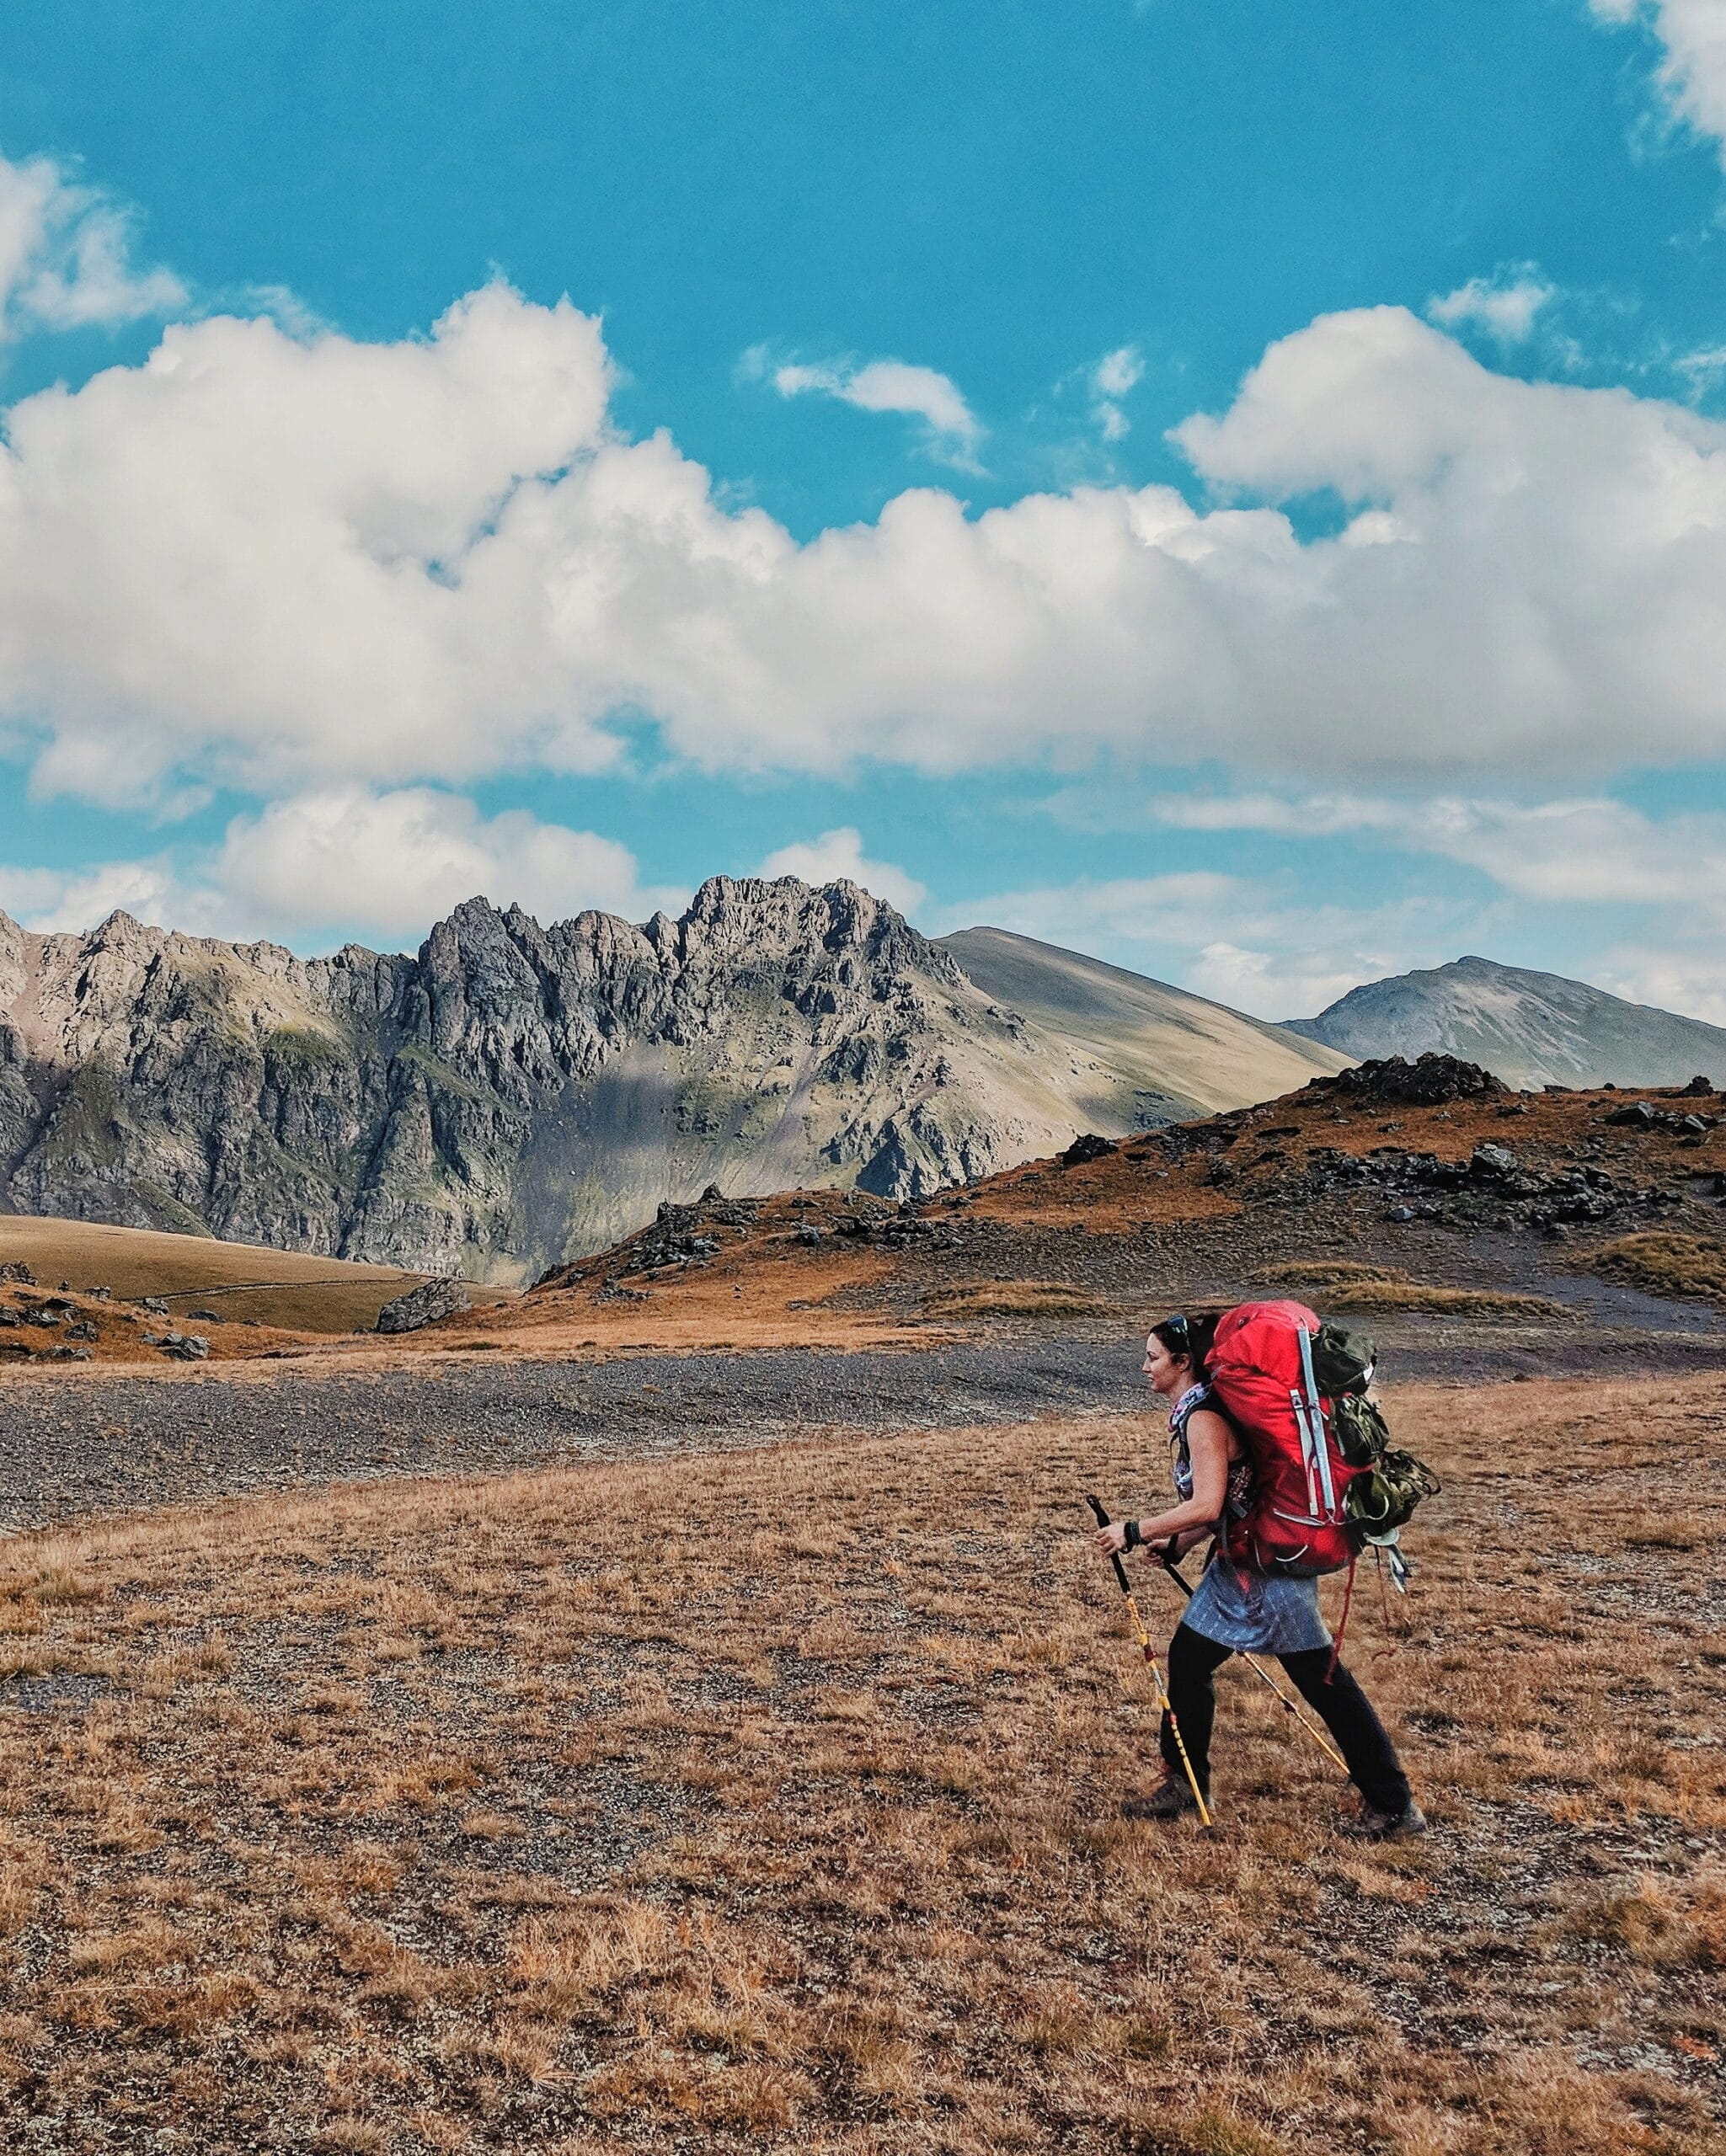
x,y
1144,1052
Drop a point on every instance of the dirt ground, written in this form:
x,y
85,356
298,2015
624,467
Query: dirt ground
x,y
771,1801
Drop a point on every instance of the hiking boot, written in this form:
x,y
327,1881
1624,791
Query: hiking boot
x,y
1169,1799
1375,1826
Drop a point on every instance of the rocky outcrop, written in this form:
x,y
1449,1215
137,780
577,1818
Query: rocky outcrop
x,y
1428,1081
423,1305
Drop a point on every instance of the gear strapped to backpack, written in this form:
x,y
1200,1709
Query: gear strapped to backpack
x,y
1327,1480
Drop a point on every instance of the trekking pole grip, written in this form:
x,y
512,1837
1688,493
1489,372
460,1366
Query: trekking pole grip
x,y
1120,1570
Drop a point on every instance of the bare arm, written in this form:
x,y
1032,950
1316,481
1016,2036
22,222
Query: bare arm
x,y
1208,1440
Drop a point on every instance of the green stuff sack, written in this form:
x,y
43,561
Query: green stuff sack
x,y
1383,1499
1343,1359
1361,1430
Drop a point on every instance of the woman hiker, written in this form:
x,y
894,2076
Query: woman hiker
x,y
1236,1610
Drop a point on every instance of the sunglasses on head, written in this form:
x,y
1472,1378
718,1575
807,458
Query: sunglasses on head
x,y
1176,1326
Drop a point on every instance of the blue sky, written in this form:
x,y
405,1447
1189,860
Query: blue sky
x,y
1237,489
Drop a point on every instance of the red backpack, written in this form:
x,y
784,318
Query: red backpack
x,y
1262,1378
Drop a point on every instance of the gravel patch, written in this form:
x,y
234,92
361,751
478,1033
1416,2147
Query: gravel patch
x,y
110,1445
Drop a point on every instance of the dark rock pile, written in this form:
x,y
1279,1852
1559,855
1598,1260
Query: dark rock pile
x,y
183,1347
1644,1115
680,1236
1429,1081
1087,1147
896,1229
1493,1189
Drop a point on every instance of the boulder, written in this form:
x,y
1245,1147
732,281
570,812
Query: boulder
x,y
425,1305
1087,1147
1428,1081
1492,1163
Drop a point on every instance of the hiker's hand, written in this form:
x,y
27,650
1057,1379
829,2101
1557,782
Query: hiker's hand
x,y
1112,1540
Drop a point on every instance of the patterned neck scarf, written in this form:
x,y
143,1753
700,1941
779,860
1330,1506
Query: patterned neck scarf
x,y
1192,1397
1181,1460
1239,1499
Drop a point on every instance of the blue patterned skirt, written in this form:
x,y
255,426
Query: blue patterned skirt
x,y
1256,1614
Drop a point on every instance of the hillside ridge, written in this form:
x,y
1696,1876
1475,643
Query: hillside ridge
x,y
1530,1028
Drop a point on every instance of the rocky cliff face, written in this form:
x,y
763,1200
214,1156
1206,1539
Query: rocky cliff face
x,y
513,1095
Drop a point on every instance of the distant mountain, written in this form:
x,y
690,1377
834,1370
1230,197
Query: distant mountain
x,y
512,1096
1531,1028
1143,1053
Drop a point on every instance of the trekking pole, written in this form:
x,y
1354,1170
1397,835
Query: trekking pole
x,y
1260,1672
1149,1655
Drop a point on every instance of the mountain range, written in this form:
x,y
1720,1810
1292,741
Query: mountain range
x,y
1527,1028
512,1096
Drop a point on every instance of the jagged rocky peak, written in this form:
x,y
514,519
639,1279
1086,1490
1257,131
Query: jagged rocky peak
x,y
788,918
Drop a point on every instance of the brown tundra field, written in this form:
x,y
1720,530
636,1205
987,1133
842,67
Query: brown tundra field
x,y
771,1801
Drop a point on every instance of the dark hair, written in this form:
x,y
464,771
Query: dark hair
x,y
1189,1338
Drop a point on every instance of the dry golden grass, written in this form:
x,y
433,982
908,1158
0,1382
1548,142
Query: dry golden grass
x,y
771,1803
1329,1273
313,1295
1349,1285
1665,1263
1422,1297
1038,1299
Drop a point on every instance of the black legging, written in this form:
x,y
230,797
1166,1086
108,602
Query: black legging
x,y
1344,1708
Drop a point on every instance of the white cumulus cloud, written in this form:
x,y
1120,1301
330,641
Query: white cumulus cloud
x,y
1691,72
65,255
1505,305
1114,375
952,430
55,901
399,861
1576,852
383,865
1692,982
837,856
294,563
1272,983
